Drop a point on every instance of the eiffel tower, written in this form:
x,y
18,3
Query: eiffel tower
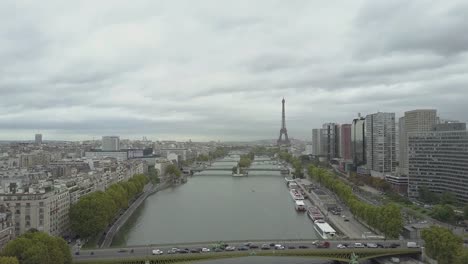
x,y
283,131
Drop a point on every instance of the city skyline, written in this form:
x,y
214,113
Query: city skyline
x,y
215,71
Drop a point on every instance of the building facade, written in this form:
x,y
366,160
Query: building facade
x,y
329,140
438,160
380,143
316,141
110,143
345,141
414,121
46,209
358,141
38,139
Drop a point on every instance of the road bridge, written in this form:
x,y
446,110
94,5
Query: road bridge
x,y
199,169
142,254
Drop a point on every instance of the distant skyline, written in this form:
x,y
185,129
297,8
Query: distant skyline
x,y
217,70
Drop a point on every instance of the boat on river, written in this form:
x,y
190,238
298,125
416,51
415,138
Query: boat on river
x,y
314,214
296,194
324,229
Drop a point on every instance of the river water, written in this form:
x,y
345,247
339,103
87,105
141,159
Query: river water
x,y
214,206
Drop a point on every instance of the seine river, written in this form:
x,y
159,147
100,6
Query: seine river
x,y
214,206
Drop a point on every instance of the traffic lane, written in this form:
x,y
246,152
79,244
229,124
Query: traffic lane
x,y
146,251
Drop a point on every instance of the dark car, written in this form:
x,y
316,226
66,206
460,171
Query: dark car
x,y
380,245
122,250
183,251
92,253
346,220
303,246
272,244
194,250
253,246
218,249
248,244
291,247
77,253
394,245
243,248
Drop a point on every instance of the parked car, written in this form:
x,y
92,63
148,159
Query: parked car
x,y
380,245
303,246
253,246
412,245
218,250
371,245
272,244
341,246
265,246
122,250
194,250
243,248
394,245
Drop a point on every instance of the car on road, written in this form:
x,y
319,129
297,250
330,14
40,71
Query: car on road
x,y
324,244
122,250
314,243
218,250
253,246
412,245
204,250
157,252
358,245
92,253
341,246
272,244
372,245
230,248
194,250
243,248
394,245
279,247
303,246
380,245
172,251
77,253
346,220
265,246
291,247
247,244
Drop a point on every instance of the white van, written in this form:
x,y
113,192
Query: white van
x,y
412,245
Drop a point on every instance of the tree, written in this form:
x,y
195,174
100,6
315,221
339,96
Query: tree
x,y
153,175
427,196
465,212
441,244
9,260
462,257
38,247
448,198
234,169
443,213
173,171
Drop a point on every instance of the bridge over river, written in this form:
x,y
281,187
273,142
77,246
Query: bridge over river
x,y
143,254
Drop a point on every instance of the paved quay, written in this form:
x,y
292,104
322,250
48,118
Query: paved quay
x,y
351,229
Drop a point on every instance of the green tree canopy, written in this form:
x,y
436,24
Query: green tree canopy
x,y
173,171
38,247
465,212
443,213
427,196
441,244
448,198
9,260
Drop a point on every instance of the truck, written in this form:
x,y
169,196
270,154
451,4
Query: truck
x,y
412,245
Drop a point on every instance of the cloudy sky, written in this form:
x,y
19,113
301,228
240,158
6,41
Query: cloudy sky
x,y
218,69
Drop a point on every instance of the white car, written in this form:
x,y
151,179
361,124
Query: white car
x,y
359,245
371,245
230,248
205,250
341,246
279,247
157,252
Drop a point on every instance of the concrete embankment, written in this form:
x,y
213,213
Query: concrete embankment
x,y
149,189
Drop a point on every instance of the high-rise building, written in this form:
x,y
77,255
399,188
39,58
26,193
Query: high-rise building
x,y
330,140
38,139
414,121
345,141
110,143
380,143
358,142
316,141
438,160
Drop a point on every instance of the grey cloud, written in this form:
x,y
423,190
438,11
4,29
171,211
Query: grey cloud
x,y
416,26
